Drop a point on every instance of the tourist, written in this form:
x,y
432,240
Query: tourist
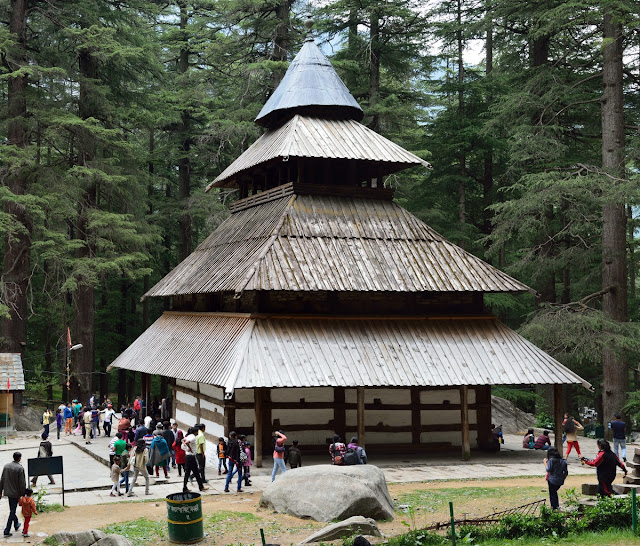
x,y
170,438
571,427
337,450
115,478
95,422
221,450
543,442
123,428
46,420
108,414
125,464
361,454
294,455
136,408
13,485
68,419
201,451
140,460
59,422
86,417
119,446
164,410
557,471
191,465
159,454
618,427
246,447
44,450
179,452
233,455
529,440
278,454
28,504
605,462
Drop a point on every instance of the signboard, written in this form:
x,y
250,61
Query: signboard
x,y
44,466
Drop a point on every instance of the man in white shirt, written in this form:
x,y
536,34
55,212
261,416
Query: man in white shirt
x,y
107,414
190,463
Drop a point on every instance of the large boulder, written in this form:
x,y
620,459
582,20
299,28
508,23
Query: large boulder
x,y
346,528
92,537
27,419
329,493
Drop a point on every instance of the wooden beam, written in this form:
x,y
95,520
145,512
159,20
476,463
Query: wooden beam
x,y
415,415
205,397
361,422
557,415
464,421
257,425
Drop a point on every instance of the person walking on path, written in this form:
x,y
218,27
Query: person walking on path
x,y
13,484
170,438
571,427
557,471
294,456
246,447
201,457
619,428
191,465
115,478
87,425
125,460
221,450
159,454
28,505
108,419
45,450
605,462
95,422
233,454
68,420
140,459
278,454
123,428
59,421
179,452
47,417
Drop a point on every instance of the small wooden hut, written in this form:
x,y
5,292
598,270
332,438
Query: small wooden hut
x,y
11,386
321,306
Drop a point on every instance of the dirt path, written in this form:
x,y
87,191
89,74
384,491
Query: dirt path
x,y
429,497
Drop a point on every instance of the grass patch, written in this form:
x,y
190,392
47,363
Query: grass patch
x,y
55,507
610,538
139,530
230,517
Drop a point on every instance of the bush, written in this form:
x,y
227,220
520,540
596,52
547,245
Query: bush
x,y
609,513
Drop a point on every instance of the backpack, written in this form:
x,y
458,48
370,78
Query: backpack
x,y
242,456
351,457
338,459
532,442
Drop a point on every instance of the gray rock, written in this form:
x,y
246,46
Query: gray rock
x,y
328,493
88,538
27,419
346,528
64,537
113,540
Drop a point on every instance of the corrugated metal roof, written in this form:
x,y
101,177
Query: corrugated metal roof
x,y
310,137
310,81
243,352
311,242
11,370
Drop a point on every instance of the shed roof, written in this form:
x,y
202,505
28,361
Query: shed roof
x,y
245,351
329,243
11,370
310,84
310,137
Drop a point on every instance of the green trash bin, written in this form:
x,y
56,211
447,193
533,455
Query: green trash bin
x,y
599,430
184,517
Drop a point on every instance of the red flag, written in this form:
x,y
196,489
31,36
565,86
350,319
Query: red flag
x,y
69,337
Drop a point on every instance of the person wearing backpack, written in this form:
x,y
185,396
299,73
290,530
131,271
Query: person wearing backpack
x,y
529,440
337,450
355,454
294,455
570,427
278,454
557,471
45,450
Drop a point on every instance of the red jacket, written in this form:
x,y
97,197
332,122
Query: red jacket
x,y
180,455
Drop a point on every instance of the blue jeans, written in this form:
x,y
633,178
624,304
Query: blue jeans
x,y
13,506
233,468
125,480
620,443
553,496
278,463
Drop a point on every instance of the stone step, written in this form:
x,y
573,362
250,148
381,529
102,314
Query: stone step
x,y
631,479
591,501
636,451
590,489
624,488
632,465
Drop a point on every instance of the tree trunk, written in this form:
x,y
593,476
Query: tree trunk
x,y
184,166
615,373
462,156
281,39
374,67
16,263
487,178
352,48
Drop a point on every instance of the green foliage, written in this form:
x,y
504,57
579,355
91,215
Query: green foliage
x,y
525,399
139,531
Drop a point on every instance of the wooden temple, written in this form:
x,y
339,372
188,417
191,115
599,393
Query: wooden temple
x,y
321,306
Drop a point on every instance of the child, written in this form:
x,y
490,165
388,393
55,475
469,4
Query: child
x,y
179,452
126,467
222,455
59,421
115,477
247,464
294,456
28,508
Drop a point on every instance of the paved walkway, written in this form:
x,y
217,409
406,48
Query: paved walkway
x,y
87,476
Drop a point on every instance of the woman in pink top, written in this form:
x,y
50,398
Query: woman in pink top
x,y
278,454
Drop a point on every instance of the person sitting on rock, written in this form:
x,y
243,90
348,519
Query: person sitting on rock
x,y
529,440
543,441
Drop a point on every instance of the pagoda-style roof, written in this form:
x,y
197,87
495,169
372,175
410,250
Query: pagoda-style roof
x,y
306,243
237,351
310,86
308,137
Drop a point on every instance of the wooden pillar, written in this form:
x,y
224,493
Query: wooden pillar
x,y
339,412
416,422
257,425
145,381
464,415
483,416
361,427
557,416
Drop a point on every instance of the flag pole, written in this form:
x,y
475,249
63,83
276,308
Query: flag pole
x,y
7,421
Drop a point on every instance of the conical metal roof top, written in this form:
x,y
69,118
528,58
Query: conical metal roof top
x,y
311,86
